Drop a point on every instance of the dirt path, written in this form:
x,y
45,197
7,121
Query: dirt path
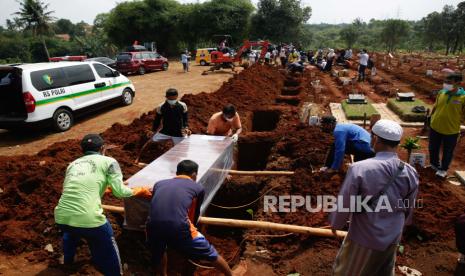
x,y
150,91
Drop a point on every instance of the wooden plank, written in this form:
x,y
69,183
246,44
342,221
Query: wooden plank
x,y
460,176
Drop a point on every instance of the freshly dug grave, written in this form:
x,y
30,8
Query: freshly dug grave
x,y
32,185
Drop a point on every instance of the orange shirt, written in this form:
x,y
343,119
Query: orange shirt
x,y
219,126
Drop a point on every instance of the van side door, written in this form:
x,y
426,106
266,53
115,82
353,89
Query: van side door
x,y
105,74
86,90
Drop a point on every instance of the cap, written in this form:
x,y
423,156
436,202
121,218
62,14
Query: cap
x,y
91,142
328,119
388,130
171,92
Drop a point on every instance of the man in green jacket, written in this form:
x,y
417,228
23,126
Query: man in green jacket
x,y
447,115
79,212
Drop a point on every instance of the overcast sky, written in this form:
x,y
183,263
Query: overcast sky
x,y
327,11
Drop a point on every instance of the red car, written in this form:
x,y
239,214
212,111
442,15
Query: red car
x,y
140,62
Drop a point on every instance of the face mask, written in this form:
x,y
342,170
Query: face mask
x,y
229,119
172,102
448,87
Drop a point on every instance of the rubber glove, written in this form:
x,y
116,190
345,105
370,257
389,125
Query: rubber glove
x,y
235,137
142,192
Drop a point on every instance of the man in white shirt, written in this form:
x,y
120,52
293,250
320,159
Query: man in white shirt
x,y
363,60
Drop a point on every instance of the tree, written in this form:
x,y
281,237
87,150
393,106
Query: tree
x,y
431,29
459,27
350,35
448,27
63,26
280,20
394,32
35,17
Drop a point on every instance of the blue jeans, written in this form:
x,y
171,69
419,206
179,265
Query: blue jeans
x,y
102,244
448,143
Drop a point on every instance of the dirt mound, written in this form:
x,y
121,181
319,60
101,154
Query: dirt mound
x,y
252,89
32,184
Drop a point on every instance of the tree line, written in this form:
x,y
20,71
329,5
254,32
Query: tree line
x,y
30,34
438,31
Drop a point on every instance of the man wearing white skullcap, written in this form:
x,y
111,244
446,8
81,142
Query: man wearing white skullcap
x,y
371,243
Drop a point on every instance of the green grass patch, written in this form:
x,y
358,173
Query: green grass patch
x,y
404,110
357,111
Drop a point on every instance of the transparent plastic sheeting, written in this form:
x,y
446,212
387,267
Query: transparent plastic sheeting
x,y
214,154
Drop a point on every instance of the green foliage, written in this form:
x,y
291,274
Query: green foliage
x,y
411,143
250,212
394,32
34,16
357,111
171,24
63,26
280,20
350,35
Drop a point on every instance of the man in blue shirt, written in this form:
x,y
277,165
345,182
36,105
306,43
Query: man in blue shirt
x,y
348,138
174,211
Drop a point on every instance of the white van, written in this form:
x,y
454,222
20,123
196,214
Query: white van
x,y
58,92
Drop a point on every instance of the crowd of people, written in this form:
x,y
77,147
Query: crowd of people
x,y
373,237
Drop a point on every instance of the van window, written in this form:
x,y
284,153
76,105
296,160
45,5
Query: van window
x,y
79,74
146,56
124,57
153,55
138,56
103,71
48,79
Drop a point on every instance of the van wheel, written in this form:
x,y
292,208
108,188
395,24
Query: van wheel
x,y
127,96
164,66
141,70
63,120
203,63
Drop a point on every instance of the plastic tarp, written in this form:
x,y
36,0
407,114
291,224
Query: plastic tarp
x,y
214,154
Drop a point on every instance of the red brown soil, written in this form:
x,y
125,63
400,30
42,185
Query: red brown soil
x,y
32,185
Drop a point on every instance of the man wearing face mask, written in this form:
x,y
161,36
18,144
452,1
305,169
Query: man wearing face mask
x,y
170,121
447,114
223,123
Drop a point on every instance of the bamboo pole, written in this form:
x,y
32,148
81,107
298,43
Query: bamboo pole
x,y
235,223
235,172
113,209
270,226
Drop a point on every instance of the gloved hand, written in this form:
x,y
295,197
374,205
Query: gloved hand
x,y
186,132
108,191
323,169
235,138
142,192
